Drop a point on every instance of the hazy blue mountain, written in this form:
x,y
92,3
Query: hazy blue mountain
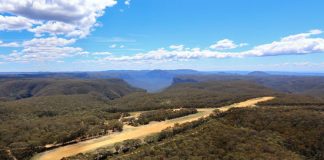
x,y
258,73
150,80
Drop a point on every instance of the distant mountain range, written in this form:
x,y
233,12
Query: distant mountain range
x,y
258,73
150,80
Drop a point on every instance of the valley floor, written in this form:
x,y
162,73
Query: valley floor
x,y
131,132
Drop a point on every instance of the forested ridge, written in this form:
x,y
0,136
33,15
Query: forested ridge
x,y
12,89
309,85
42,111
193,95
290,90
29,124
258,133
33,122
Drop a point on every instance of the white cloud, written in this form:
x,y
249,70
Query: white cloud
x,y
48,49
297,44
101,53
70,18
55,48
127,2
177,47
57,28
10,44
44,49
8,23
113,46
48,42
226,44
302,35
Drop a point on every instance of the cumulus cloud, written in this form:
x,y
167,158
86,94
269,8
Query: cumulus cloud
x,y
58,28
8,23
49,20
10,44
297,44
294,44
55,48
226,44
70,18
47,49
48,42
44,49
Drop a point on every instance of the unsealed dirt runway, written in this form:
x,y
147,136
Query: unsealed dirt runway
x,y
130,132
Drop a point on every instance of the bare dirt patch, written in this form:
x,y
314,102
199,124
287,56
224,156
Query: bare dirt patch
x,y
131,132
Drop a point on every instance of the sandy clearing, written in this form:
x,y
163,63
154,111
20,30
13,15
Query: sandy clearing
x,y
131,132
136,114
248,103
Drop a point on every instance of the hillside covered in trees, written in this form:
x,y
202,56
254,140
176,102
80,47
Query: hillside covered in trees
x,y
311,85
193,95
46,112
28,125
150,80
24,88
290,133
56,111
294,90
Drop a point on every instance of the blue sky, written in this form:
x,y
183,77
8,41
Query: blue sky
x,y
87,35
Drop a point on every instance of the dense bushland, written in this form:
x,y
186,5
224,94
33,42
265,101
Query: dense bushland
x,y
302,128
28,125
60,111
161,115
193,95
24,88
294,100
299,85
53,119
258,133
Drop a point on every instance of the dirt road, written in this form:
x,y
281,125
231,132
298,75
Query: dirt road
x,y
130,132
